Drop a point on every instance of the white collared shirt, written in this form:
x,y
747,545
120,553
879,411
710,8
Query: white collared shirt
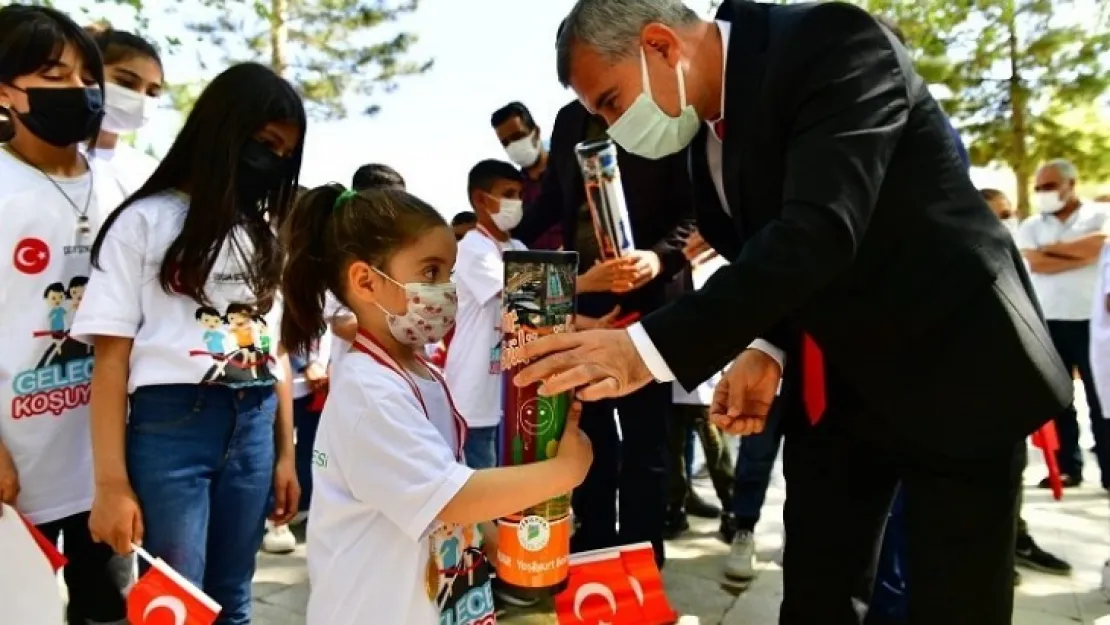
x,y
714,156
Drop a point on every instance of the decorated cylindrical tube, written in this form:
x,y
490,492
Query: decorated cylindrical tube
x,y
537,300
605,196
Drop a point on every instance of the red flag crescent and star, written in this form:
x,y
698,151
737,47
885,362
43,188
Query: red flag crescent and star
x,y
163,597
618,586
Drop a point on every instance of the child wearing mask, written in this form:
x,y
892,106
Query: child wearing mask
x,y
192,424
52,204
391,487
132,85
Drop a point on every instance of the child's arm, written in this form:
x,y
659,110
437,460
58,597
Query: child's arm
x,y
287,491
494,493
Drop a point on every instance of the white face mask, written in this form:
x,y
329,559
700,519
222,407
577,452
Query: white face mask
x,y
646,130
524,152
1048,202
124,110
429,312
509,215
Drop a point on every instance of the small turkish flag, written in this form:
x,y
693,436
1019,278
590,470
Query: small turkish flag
x,y
598,592
1049,443
647,584
49,549
164,597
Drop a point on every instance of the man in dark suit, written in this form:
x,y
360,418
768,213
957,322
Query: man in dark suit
x,y
838,195
657,193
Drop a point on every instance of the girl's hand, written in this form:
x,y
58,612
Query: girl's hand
x,y
287,491
116,518
575,449
317,376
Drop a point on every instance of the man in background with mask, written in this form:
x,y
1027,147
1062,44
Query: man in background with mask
x,y
1002,208
1062,242
824,171
520,136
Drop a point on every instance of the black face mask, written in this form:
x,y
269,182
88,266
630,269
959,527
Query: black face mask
x,y
62,117
260,171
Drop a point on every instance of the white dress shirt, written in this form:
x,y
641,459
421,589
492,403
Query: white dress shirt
x,y
640,339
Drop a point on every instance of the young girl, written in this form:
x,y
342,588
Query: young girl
x,y
132,84
181,272
51,206
394,508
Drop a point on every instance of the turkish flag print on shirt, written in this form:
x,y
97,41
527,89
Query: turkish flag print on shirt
x,y
619,586
163,597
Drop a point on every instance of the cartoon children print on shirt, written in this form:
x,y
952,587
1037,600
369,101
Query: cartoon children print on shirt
x,y
62,302
464,596
238,343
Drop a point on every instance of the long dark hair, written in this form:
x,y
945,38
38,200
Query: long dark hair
x,y
203,162
328,229
32,37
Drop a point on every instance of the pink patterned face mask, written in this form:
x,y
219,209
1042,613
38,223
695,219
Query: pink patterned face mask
x,y
430,312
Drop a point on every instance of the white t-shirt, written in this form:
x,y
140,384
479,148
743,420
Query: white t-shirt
x,y
176,340
44,373
473,365
131,167
1064,296
382,473
1100,327
702,395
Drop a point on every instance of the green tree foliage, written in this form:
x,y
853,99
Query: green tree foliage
x,y
328,48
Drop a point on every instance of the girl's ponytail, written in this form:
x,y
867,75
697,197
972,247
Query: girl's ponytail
x,y
311,268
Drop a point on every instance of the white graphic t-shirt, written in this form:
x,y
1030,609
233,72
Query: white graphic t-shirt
x,y
44,372
473,365
176,341
382,472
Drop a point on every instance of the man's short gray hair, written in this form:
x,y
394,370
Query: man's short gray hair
x,y
1066,168
612,27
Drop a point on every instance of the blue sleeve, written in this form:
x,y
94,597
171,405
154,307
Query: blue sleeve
x,y
960,149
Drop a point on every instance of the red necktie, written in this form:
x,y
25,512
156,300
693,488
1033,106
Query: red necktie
x,y
813,363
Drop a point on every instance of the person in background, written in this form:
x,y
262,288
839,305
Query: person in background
x,y
1061,243
520,136
377,176
52,204
192,422
1002,208
133,83
397,513
463,222
689,413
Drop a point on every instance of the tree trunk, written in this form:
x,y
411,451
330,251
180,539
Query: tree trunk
x,y
279,36
1019,156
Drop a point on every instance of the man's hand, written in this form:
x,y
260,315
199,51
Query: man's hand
x,y
639,267
743,397
9,478
599,363
697,250
316,375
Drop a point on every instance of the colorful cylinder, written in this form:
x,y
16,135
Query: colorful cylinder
x,y
537,300
605,196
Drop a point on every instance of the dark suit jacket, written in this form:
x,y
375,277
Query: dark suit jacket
x,y
853,219
659,207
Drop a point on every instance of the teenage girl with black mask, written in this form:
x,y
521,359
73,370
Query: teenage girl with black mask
x,y
192,423
133,79
51,206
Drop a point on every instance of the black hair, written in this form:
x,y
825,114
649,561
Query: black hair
x,y
486,173
990,194
377,176
32,37
510,110
204,163
209,311
464,218
239,308
54,287
117,46
328,229
893,27
77,281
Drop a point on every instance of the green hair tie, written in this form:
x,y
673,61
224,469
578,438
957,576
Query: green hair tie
x,y
343,197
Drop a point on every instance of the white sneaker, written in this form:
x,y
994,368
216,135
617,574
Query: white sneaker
x,y
278,539
740,562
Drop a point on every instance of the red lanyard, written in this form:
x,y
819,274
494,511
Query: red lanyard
x,y
367,345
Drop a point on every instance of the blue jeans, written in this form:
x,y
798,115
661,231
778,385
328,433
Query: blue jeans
x,y
754,464
306,422
481,447
201,461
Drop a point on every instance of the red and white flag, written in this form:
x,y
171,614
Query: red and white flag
x,y
163,597
49,549
618,586
28,574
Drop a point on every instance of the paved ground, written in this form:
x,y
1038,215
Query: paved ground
x,y
1077,529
